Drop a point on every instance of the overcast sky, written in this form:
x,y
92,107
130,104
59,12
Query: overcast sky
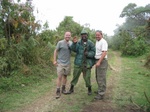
x,y
100,14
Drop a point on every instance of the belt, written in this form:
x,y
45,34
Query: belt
x,y
103,59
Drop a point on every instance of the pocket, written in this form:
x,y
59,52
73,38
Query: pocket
x,y
104,64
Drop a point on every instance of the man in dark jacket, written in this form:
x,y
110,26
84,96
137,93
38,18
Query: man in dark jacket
x,y
85,52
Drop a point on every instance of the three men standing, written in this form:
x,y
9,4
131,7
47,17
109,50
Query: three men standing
x,y
85,51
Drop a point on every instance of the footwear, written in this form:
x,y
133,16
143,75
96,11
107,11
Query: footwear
x,y
89,91
71,90
58,93
63,89
99,97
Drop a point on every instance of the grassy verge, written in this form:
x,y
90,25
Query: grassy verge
x,y
23,89
133,82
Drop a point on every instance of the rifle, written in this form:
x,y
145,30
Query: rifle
x,y
84,59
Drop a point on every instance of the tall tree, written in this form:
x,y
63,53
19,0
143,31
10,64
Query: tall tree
x,y
135,16
69,25
17,19
132,34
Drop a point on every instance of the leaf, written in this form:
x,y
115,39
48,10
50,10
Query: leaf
x,y
15,24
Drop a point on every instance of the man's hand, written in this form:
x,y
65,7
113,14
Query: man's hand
x,y
97,64
55,63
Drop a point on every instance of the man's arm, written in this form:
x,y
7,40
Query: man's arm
x,y
55,57
102,57
91,53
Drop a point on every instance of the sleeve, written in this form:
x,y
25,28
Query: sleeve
x,y
74,47
91,52
58,46
104,46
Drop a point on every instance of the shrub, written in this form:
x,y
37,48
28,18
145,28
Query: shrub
x,y
134,47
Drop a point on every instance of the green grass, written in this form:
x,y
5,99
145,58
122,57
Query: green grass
x,y
134,81
23,89
14,99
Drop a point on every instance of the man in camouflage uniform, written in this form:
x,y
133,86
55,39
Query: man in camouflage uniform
x,y
85,52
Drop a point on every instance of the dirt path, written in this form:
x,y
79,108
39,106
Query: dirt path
x,y
39,104
107,105
48,103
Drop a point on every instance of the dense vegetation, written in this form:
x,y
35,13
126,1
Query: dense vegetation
x,y
132,38
24,52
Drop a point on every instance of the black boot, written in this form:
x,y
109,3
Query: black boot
x,y
89,90
99,97
71,90
63,89
58,93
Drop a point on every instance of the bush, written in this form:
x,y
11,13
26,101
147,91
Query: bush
x,y
135,47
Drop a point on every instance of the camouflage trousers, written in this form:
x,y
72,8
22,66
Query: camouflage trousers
x,y
86,76
101,76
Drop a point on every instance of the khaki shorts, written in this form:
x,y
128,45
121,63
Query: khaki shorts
x,y
63,69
